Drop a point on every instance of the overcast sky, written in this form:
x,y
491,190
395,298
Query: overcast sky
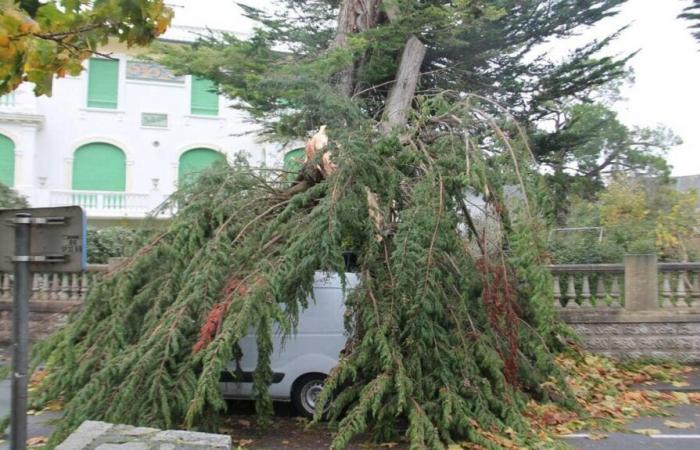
x,y
667,68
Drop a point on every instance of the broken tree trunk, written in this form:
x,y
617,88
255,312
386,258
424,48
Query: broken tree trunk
x,y
355,16
401,95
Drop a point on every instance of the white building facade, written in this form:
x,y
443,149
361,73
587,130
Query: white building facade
x,y
118,139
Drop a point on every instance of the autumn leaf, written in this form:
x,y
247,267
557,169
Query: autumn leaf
x,y
37,441
679,425
597,436
646,431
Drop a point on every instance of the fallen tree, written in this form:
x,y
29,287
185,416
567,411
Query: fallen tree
x,y
453,327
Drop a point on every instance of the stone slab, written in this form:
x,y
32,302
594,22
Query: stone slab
x,y
104,436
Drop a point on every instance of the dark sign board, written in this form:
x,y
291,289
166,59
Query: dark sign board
x,y
57,239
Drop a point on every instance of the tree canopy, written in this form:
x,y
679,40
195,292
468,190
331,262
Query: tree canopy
x,y
692,14
10,199
493,50
43,39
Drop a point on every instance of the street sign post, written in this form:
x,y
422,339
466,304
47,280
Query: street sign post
x,y
42,240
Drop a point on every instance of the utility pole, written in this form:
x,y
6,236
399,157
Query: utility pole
x,y
20,331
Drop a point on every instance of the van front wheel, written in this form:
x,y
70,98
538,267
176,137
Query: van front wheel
x,y
305,393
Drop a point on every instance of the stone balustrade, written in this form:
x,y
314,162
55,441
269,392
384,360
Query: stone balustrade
x,y
640,284
588,285
70,287
54,296
638,308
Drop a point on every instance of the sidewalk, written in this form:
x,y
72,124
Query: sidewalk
x,y
37,425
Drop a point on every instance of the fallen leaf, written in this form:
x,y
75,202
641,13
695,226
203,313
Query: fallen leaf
x,y
646,431
394,444
679,425
243,442
244,423
37,441
680,384
597,436
681,397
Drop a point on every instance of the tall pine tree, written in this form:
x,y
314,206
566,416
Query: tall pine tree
x,y
425,176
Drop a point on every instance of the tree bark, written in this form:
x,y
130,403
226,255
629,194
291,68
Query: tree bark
x,y
355,16
401,95
361,15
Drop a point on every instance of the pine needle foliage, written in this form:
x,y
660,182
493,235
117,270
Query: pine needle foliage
x,y
452,327
435,324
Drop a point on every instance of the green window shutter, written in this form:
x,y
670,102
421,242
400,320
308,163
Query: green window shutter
x,y
7,161
99,167
205,98
195,161
293,160
103,83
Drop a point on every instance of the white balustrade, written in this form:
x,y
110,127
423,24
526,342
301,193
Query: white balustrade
x,y
104,203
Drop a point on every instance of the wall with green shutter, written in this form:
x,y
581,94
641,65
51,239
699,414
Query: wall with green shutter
x,y
103,83
7,161
195,161
99,167
205,98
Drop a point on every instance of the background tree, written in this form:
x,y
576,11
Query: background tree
x,y
115,242
586,144
450,334
637,215
40,40
9,198
692,13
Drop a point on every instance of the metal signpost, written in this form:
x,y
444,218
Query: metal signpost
x,y
35,240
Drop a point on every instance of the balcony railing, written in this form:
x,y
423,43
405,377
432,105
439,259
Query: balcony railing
x,y
104,203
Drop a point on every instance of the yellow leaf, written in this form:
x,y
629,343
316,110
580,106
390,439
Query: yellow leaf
x,y
646,431
679,425
680,384
681,397
37,441
597,436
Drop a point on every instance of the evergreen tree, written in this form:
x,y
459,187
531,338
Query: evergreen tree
x,y
453,327
10,199
692,13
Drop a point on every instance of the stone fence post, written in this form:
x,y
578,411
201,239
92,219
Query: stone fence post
x,y
641,282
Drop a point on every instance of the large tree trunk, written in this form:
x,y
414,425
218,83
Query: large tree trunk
x,y
355,16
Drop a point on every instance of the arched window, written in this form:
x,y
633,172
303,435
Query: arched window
x,y
195,161
7,161
99,167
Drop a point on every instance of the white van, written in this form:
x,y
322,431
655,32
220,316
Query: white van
x,y
307,357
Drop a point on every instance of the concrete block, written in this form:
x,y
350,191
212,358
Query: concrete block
x,y
87,433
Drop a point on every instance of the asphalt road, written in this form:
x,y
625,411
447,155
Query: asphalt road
x,y
667,439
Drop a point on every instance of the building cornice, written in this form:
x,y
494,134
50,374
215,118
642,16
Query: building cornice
x,y
36,120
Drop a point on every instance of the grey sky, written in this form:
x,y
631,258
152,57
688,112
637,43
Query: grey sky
x,y
667,68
